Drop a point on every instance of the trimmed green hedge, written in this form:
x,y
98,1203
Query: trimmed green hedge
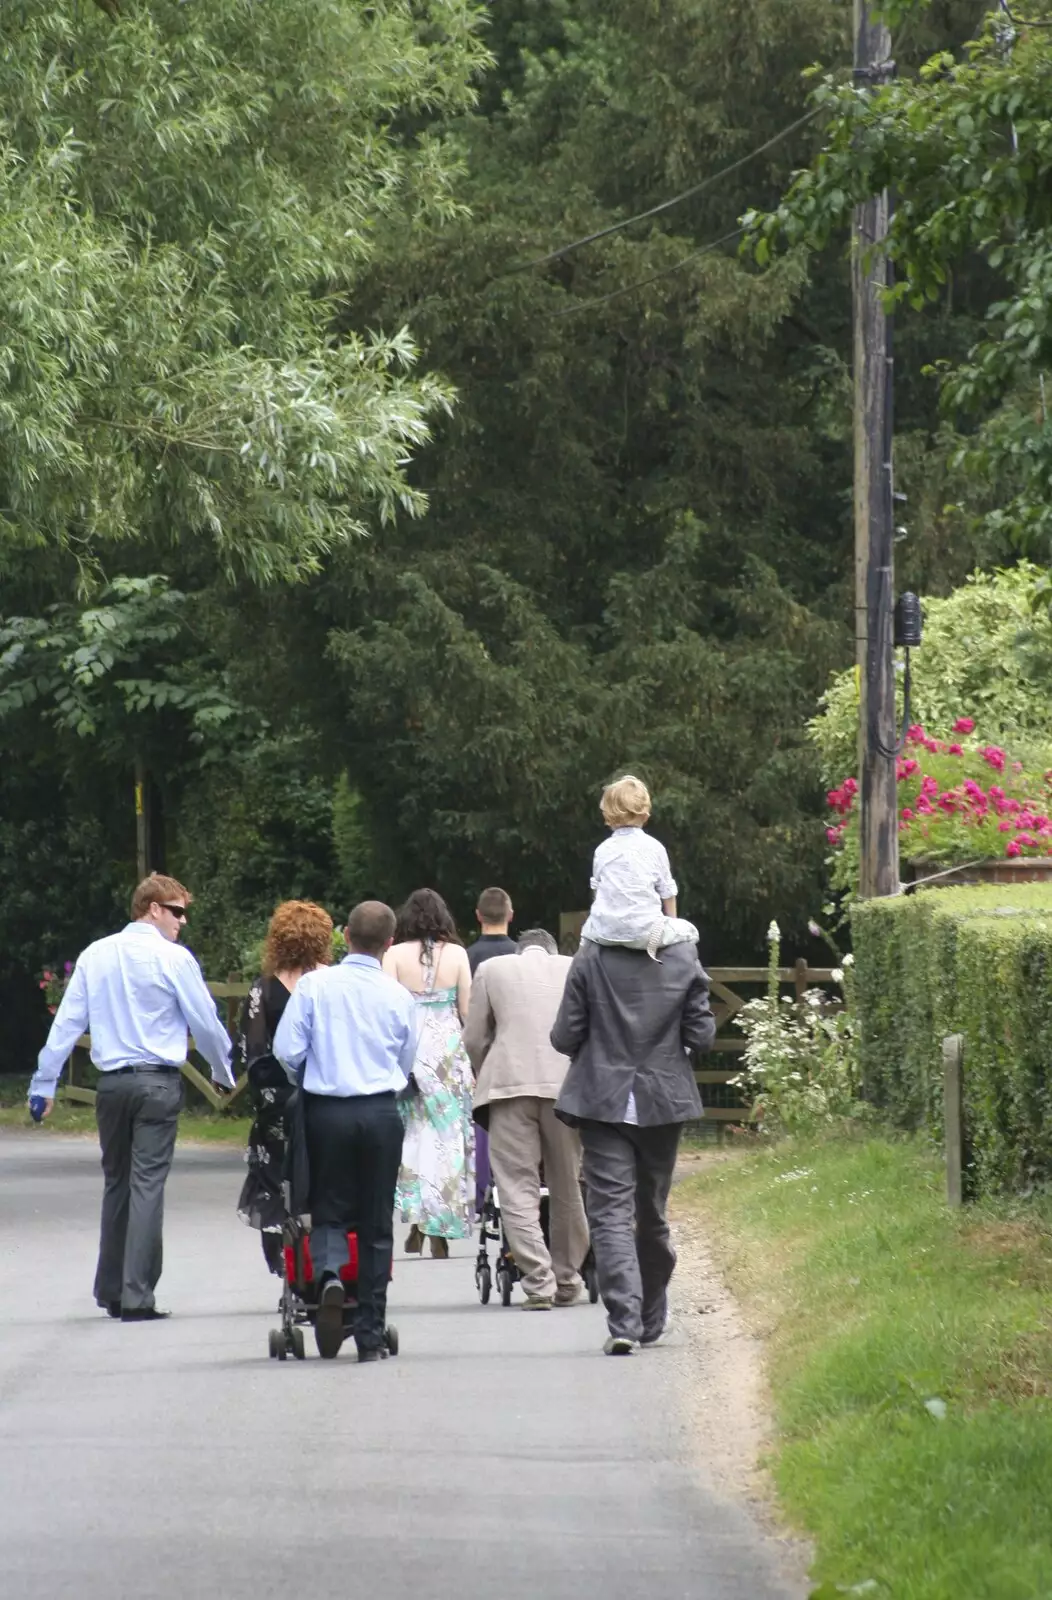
x,y
976,961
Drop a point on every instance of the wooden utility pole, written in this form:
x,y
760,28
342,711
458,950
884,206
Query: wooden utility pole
x,y
142,820
874,509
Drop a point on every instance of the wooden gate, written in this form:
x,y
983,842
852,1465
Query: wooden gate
x,y
233,992
722,1102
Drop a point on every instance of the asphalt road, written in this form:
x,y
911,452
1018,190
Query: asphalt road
x,y
500,1456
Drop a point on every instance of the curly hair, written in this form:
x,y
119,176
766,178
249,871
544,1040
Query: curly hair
x,y
425,916
299,937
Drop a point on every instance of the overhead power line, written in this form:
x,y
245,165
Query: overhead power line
x,y
677,199
641,283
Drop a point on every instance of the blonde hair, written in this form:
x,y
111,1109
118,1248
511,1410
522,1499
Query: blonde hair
x,y
626,803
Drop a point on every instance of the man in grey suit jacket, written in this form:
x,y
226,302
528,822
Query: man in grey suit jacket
x,y
514,1000
629,1023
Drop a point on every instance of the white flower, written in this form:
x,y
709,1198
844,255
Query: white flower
x,y
813,929
774,933
837,975
849,960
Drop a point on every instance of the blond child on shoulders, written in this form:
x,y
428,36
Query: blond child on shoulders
x,y
634,891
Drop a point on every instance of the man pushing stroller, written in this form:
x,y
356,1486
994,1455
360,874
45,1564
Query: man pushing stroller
x,y
514,1002
352,1030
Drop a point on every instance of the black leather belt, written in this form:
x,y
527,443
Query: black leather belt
x,y
140,1066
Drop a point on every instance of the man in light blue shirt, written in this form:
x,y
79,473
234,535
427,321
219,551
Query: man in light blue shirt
x,y
352,1031
137,992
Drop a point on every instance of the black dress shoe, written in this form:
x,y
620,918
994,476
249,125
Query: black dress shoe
x,y
373,1352
112,1309
143,1314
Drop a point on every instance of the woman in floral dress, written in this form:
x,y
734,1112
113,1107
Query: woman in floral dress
x,y
299,939
436,1186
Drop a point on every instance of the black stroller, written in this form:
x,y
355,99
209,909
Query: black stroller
x,y
298,1306
507,1272
299,1295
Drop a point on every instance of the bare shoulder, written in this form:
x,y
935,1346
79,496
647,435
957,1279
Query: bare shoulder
x,y
402,957
453,964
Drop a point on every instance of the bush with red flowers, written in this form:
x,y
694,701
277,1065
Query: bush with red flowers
x,y
959,801
54,984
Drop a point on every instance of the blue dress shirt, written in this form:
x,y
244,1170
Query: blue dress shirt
x,y
137,993
353,1026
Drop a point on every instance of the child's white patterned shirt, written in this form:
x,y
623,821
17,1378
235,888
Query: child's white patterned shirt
x,y
631,876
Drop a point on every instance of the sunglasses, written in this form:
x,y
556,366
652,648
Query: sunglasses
x,y
177,911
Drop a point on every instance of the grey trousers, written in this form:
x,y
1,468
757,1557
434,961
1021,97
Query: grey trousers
x,y
137,1116
627,1176
523,1132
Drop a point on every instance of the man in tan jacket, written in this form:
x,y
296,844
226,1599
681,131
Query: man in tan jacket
x,y
514,1002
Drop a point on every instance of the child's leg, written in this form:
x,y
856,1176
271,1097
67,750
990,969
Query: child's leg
x,y
670,930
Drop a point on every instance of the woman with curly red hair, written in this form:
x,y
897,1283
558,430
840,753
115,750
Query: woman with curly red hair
x,y
299,938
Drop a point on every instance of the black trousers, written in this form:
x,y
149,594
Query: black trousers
x,y
354,1146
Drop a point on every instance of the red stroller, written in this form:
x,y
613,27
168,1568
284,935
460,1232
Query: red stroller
x,y
299,1297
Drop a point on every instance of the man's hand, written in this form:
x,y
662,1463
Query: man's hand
x,y
48,1108
222,1086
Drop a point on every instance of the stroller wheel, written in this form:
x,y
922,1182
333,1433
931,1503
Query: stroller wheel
x,y
484,1283
391,1339
504,1284
591,1279
296,1345
276,1344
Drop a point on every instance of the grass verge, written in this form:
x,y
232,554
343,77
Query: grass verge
x,y
195,1126
910,1358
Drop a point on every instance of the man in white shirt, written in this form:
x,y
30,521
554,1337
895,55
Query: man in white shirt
x,y
352,1031
137,992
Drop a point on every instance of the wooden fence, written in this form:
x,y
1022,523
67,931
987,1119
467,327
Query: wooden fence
x,y
726,1003
721,1104
232,992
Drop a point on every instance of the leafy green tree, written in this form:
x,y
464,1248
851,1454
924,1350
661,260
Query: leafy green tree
x,y
637,547
986,655
186,193
112,669
637,543
966,147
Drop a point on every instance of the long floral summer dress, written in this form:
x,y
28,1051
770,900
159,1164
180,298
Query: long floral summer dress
x,y
436,1186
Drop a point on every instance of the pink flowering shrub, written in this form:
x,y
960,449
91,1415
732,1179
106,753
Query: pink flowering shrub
x,y
957,803
54,984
